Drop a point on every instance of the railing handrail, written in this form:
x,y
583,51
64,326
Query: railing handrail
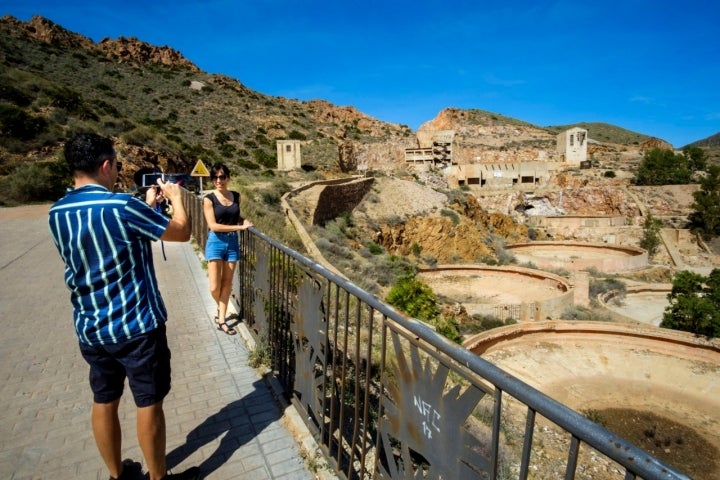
x,y
615,447
633,458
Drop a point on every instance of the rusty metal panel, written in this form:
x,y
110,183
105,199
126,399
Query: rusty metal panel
x,y
424,420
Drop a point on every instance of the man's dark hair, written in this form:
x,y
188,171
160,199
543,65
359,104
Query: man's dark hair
x,y
86,152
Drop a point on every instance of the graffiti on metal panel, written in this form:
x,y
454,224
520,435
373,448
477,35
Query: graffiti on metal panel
x,y
424,420
431,417
261,282
310,329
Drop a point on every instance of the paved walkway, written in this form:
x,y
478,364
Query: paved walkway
x,y
221,415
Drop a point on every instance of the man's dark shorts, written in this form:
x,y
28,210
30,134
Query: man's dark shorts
x,y
144,360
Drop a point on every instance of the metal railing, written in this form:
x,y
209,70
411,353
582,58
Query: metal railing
x,y
385,396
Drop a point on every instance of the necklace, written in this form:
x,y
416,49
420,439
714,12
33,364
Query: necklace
x,y
223,199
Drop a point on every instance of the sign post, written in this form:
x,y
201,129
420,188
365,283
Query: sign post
x,y
200,170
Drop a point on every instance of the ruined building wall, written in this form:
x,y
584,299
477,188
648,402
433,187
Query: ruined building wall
x,y
338,198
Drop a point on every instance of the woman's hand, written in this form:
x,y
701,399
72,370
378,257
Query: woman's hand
x,y
246,224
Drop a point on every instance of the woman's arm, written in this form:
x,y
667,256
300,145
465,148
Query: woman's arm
x,y
245,224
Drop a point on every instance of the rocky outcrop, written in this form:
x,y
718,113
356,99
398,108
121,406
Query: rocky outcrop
x,y
436,237
326,112
123,49
131,49
467,237
482,137
653,142
46,31
593,201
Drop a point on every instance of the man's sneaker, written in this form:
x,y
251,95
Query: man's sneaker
x,y
192,473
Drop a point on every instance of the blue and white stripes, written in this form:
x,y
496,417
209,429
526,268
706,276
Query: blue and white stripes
x,y
104,240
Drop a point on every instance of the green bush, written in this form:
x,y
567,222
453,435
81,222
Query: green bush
x,y
482,323
705,218
451,214
663,167
265,159
600,286
16,123
36,182
414,298
374,248
449,328
651,234
295,135
694,304
14,95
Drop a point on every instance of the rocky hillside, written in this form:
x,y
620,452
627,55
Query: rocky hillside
x,y
162,110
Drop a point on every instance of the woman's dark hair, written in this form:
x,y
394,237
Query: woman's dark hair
x,y
219,168
86,152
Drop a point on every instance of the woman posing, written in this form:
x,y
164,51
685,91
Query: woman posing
x,y
222,214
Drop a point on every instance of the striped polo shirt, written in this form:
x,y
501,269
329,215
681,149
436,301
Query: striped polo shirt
x,y
104,240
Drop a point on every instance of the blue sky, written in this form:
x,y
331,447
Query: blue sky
x,y
649,66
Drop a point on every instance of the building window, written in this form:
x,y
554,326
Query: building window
x,y
572,140
288,148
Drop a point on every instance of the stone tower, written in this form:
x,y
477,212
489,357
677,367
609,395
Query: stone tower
x,y
288,154
572,144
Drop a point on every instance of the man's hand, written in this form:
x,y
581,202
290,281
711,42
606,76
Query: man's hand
x,y
171,191
153,196
178,230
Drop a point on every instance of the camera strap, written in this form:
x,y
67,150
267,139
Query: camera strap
x,y
158,209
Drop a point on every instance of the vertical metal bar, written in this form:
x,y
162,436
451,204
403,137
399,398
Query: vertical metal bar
x,y
381,396
527,444
495,446
366,397
356,393
326,368
334,385
343,375
572,458
273,325
629,475
283,372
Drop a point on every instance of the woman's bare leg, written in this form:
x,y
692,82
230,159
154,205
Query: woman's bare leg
x,y
227,275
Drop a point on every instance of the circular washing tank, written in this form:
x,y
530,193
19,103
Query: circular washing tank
x,y
596,366
580,256
641,303
522,294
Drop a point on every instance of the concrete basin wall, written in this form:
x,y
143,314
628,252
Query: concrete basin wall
x,y
634,309
522,294
581,256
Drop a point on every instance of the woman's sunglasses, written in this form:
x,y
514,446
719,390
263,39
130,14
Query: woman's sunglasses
x,y
218,177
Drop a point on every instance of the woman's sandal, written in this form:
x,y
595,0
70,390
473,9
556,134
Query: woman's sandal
x,y
225,328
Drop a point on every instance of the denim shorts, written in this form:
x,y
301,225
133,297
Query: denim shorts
x,y
222,246
144,361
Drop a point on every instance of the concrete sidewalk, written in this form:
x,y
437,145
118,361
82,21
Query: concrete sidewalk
x,y
221,415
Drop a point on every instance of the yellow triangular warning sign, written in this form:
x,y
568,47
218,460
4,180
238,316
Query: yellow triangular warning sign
x,y
200,170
